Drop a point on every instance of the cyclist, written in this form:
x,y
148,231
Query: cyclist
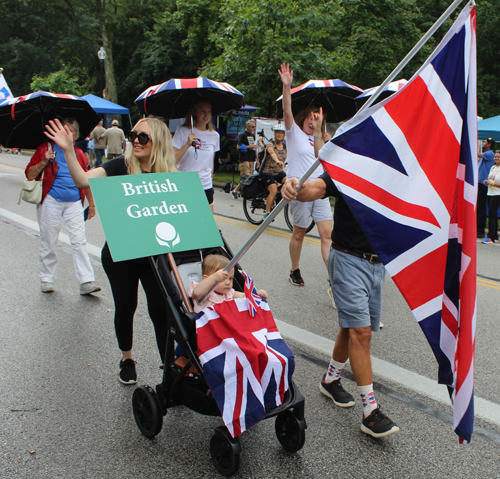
x,y
271,171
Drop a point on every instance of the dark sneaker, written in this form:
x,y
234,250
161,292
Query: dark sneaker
x,y
377,424
127,372
295,278
234,194
336,393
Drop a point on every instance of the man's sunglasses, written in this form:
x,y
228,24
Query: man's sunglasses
x,y
142,138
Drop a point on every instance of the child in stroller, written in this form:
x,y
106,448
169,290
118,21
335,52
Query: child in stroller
x,y
213,273
180,388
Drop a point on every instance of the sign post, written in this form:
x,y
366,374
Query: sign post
x,y
146,215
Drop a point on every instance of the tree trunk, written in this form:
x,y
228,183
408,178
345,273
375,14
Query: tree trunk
x,y
110,92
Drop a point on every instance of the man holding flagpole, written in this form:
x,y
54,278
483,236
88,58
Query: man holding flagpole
x,y
357,277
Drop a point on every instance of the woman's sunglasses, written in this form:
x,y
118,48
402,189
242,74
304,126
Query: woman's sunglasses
x,y
142,138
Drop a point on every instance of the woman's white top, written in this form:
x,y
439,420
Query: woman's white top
x,y
201,157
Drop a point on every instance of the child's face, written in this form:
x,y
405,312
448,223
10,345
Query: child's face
x,y
227,285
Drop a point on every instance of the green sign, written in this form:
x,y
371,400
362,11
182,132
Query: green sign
x,y
145,215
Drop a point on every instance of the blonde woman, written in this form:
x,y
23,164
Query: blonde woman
x,y
150,151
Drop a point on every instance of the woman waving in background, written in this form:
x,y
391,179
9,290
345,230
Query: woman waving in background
x,y
150,151
195,144
300,147
62,199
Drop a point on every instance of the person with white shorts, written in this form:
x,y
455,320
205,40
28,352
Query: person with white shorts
x,y
300,147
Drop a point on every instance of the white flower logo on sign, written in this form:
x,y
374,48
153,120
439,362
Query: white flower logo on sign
x,y
166,233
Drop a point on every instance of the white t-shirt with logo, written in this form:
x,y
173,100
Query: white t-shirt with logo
x,y
200,159
300,153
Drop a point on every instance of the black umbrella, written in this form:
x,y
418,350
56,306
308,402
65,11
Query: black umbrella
x,y
23,119
174,98
334,96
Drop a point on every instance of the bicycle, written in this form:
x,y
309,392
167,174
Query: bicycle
x,y
255,207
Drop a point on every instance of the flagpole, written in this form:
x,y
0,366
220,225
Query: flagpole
x,y
316,163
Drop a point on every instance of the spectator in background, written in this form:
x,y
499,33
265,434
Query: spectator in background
x,y
247,147
115,140
493,185
99,143
485,162
84,146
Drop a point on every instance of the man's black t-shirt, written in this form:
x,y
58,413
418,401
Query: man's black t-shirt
x,y
247,139
346,230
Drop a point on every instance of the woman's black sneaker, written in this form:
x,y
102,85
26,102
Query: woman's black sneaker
x,y
295,278
377,424
128,374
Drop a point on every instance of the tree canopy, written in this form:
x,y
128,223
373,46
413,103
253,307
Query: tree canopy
x,y
53,44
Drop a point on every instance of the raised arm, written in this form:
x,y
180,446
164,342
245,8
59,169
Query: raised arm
x,y
63,137
318,134
286,76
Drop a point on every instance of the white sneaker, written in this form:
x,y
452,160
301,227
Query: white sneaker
x,y
234,194
381,325
90,287
331,297
47,287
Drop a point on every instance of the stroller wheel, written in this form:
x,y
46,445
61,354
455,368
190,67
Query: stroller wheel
x,y
225,452
147,411
288,432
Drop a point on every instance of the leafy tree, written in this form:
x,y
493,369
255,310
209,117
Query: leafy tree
x,y
60,82
254,38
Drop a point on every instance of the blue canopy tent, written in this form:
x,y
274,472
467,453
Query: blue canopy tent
x,y
489,128
100,105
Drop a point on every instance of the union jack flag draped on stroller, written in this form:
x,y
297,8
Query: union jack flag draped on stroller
x,y
246,363
407,168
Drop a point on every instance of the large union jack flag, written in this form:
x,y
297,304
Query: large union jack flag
x,y
407,168
246,363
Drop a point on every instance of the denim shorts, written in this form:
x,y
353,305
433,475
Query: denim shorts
x,y
320,210
357,289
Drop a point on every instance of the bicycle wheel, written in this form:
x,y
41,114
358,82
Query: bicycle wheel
x,y
289,221
254,210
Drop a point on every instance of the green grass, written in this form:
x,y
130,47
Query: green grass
x,y
226,177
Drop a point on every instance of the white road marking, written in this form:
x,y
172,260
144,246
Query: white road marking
x,y
484,409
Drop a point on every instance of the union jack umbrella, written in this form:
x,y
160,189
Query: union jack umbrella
x,y
23,119
174,98
334,96
393,87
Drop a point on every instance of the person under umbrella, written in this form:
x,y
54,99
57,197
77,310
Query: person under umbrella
x,y
150,150
62,199
300,156
195,144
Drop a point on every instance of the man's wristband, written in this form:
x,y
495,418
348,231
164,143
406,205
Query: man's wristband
x,y
91,206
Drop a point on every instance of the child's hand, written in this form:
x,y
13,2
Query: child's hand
x,y
220,276
262,293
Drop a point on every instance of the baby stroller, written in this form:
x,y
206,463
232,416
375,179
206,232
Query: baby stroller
x,y
173,271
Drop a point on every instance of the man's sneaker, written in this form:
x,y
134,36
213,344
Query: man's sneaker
x,y
47,287
330,293
487,241
295,278
336,393
234,194
377,424
90,287
381,325
128,374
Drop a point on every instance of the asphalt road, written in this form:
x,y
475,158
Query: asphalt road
x,y
63,413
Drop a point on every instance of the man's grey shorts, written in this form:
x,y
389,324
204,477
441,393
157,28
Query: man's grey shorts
x,y
320,210
357,289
